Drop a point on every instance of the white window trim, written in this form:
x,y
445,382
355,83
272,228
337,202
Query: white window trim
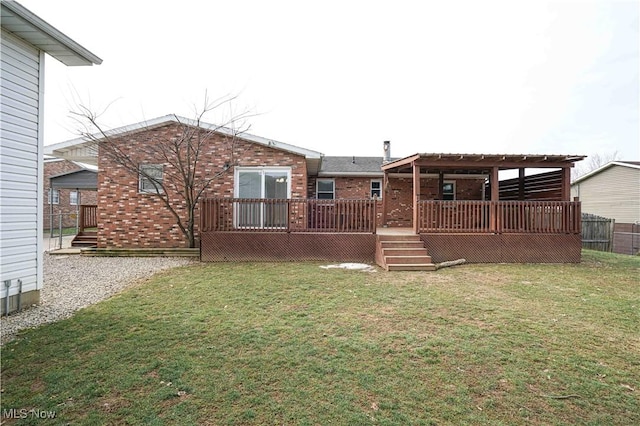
x,y
262,170
141,179
371,188
333,182
50,196
71,202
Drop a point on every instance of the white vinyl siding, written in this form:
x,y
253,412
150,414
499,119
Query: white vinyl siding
x,y
20,164
612,193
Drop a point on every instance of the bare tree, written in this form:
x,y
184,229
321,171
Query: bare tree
x,y
182,180
594,162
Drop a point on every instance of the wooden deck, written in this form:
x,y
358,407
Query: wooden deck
x,y
344,230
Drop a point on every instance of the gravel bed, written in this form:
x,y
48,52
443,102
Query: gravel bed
x,y
74,282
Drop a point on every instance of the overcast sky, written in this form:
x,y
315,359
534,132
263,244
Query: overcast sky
x,y
340,77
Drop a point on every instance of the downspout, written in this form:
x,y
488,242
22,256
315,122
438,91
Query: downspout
x,y
50,209
19,295
7,284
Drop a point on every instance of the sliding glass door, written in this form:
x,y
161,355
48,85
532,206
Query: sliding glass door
x,y
259,185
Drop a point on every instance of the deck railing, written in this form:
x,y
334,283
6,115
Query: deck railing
x,y
88,217
287,215
540,217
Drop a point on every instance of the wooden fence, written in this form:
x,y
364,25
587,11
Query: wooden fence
x,y
597,232
287,215
481,217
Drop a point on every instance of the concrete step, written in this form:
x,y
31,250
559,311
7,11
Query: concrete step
x,y
395,260
412,267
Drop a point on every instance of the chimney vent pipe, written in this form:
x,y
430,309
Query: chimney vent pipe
x,y
386,146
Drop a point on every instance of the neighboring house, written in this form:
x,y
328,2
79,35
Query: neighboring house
x,y
62,205
613,191
281,202
25,40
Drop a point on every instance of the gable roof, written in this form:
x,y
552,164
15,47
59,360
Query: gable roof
x,y
28,26
630,164
83,150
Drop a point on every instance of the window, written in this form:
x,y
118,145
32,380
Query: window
x,y
376,188
449,191
73,198
54,196
325,189
150,178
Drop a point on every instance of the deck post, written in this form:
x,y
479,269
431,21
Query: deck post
x,y
416,196
495,196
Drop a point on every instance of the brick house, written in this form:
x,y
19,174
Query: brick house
x,y
63,201
277,201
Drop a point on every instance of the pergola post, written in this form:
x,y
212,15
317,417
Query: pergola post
x,y
416,196
385,197
495,196
566,196
566,184
521,184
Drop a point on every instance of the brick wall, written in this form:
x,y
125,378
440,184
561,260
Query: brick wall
x,y
52,168
129,219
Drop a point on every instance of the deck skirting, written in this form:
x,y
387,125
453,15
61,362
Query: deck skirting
x,y
504,248
284,247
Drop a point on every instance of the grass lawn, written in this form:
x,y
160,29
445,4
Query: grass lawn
x,y
296,344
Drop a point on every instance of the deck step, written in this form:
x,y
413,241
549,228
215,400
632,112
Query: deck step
x,y
412,267
406,260
401,244
402,251
85,239
408,237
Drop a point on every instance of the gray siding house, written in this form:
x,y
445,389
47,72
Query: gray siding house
x,y
613,191
25,40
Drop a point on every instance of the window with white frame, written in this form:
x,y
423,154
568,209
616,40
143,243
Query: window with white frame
x,y
150,178
73,198
449,190
325,189
53,196
376,188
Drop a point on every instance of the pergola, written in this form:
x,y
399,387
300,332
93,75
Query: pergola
x,y
489,165
83,179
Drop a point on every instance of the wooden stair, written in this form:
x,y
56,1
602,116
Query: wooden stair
x,y
403,253
85,239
